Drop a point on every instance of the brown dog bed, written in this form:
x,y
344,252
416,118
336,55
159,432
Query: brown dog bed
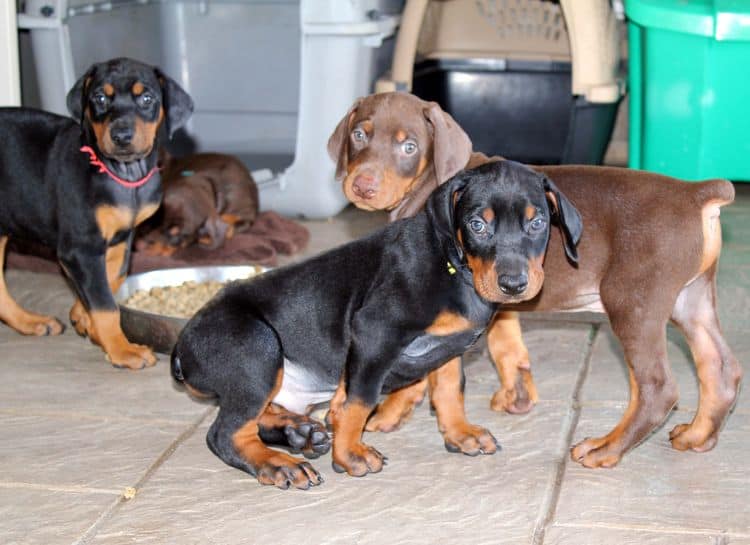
x,y
261,244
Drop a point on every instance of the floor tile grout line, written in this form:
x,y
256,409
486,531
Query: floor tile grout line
x,y
552,494
163,457
660,530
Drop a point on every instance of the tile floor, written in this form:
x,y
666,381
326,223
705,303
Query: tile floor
x,y
94,455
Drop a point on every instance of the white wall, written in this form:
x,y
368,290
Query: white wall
x,y
10,87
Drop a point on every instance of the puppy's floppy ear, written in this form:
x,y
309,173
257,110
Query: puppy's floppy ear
x,y
76,99
441,207
338,143
567,217
178,105
451,146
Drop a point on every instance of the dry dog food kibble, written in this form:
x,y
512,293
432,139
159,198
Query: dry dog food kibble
x,y
179,301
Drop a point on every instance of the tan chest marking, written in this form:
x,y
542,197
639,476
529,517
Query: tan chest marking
x,y
145,212
448,323
112,219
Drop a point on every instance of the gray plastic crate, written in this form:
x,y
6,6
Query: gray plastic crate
x,y
268,77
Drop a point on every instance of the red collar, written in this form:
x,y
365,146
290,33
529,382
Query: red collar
x,y
94,160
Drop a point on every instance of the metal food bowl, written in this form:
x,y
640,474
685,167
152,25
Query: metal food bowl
x,y
160,331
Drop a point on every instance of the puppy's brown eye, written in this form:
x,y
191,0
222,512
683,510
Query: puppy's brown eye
x,y
358,135
409,147
100,99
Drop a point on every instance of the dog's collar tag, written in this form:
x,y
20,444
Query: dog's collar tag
x,y
94,160
451,268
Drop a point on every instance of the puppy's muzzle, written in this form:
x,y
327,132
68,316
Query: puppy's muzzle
x,y
365,186
513,284
121,134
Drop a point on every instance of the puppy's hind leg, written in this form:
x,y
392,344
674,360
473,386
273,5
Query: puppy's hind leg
x,y
17,317
640,323
719,372
245,374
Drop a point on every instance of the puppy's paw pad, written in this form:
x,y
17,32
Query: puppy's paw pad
x,y
309,437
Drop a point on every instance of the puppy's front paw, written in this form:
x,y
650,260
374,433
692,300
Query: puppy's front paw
x,y
690,436
597,452
80,319
284,471
131,356
518,398
359,461
40,326
470,440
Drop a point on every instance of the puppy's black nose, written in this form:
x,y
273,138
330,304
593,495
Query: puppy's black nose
x,y
121,135
513,284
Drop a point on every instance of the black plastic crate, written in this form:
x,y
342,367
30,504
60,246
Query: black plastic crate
x,y
522,110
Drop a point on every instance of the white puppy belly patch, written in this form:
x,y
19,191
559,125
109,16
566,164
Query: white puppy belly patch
x,y
300,389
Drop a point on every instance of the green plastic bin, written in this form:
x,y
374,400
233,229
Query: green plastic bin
x,y
690,87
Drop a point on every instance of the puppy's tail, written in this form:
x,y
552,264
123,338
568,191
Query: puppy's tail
x,y
710,196
717,192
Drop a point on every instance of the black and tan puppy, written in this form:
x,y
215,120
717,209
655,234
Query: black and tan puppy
x,y
369,317
391,151
80,186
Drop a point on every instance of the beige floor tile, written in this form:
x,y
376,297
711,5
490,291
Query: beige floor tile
x,y
655,486
608,535
31,516
82,451
423,495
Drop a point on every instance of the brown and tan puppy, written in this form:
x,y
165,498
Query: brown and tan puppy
x,y
208,197
648,256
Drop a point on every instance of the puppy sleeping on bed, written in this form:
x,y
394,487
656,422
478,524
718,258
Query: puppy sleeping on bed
x,y
208,197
